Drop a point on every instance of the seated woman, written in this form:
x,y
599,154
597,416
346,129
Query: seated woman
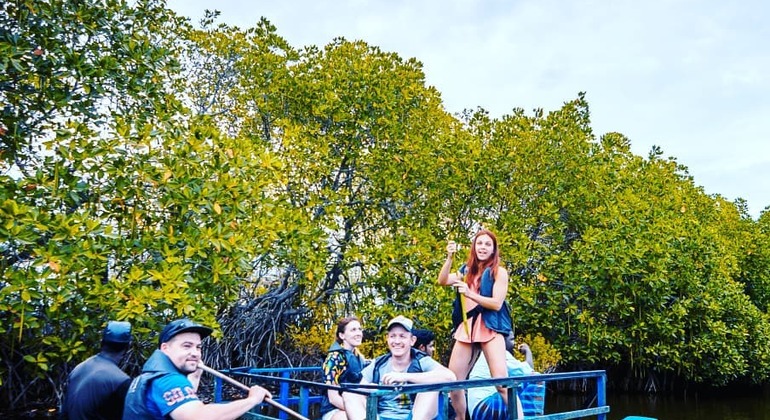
x,y
343,364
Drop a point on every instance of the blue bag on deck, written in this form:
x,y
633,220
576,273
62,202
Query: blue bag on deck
x,y
531,395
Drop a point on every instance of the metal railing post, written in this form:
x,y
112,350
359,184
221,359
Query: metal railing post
x,y
304,405
371,407
284,394
601,394
443,405
513,403
217,390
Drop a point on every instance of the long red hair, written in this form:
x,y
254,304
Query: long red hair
x,y
476,267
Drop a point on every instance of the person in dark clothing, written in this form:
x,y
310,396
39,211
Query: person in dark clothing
x,y
96,388
425,341
164,389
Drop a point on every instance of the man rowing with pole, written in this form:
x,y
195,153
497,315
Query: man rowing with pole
x,y
165,390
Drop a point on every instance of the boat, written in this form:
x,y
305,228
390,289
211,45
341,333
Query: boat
x,y
295,390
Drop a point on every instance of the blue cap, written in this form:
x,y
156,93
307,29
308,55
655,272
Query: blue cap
x,y
117,332
179,326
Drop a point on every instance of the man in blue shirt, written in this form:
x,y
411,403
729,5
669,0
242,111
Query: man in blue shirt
x,y
164,390
96,388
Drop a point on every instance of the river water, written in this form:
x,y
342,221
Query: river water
x,y
753,407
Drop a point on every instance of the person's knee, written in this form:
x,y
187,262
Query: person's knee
x,y
457,398
426,399
425,406
354,404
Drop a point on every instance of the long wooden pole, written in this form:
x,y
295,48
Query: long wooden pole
x,y
465,312
244,387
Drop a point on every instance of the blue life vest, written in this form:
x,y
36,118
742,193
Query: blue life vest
x,y
354,363
136,399
414,365
499,321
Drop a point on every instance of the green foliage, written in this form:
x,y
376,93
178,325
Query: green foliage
x,y
754,261
120,205
153,171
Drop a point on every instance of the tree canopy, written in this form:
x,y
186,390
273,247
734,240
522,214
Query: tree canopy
x,y
153,170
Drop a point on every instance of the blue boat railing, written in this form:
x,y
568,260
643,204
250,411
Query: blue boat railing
x,y
303,400
286,379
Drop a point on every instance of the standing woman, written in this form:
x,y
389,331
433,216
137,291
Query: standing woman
x,y
343,364
488,316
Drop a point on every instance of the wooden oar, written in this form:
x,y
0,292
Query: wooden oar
x,y
462,307
244,387
462,300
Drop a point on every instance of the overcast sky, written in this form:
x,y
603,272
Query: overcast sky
x,y
692,77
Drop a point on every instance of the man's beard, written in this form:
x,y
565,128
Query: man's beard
x,y
188,370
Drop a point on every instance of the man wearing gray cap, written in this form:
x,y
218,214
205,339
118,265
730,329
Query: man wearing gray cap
x,y
96,388
402,364
164,390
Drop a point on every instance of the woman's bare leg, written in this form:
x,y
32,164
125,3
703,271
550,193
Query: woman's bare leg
x,y
460,365
494,351
355,406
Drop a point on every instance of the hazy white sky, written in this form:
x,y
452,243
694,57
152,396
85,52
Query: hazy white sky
x,y
692,77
